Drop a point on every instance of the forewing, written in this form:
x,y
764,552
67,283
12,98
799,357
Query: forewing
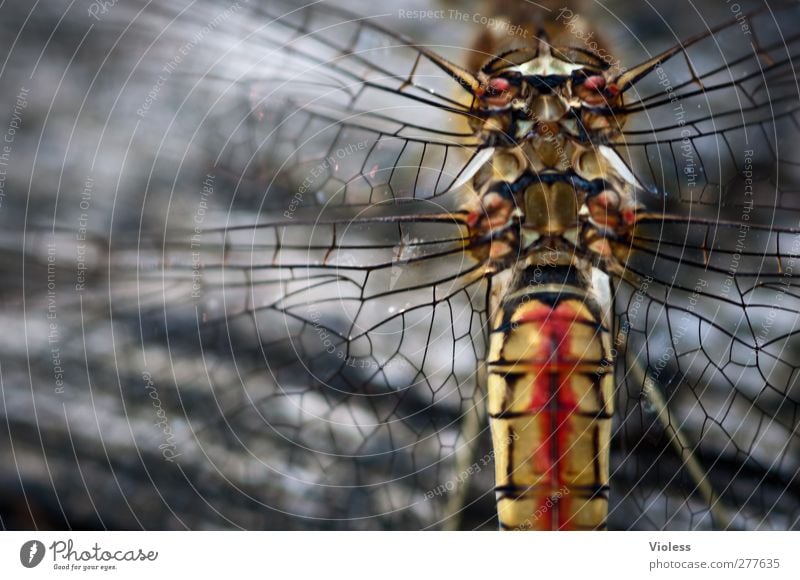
x,y
322,107
715,110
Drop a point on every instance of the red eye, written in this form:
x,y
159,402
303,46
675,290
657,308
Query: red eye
x,y
498,86
595,83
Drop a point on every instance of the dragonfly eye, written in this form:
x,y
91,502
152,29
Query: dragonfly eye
x,y
595,83
497,87
595,90
498,92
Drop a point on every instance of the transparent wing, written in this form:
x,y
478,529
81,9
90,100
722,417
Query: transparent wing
x,y
714,110
331,108
709,375
334,383
262,335
708,312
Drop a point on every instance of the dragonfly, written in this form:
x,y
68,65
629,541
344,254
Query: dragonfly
x,y
539,285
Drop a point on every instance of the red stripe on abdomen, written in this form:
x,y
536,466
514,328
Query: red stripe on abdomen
x,y
552,397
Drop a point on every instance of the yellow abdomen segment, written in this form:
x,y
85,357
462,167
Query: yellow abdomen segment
x,y
550,407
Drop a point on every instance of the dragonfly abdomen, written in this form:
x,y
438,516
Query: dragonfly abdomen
x,y
550,406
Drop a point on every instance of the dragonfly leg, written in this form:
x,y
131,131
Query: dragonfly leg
x,y
474,422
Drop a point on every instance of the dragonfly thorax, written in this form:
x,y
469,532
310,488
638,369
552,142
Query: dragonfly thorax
x,y
550,190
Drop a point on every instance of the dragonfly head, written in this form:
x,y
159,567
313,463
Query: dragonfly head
x,y
563,90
